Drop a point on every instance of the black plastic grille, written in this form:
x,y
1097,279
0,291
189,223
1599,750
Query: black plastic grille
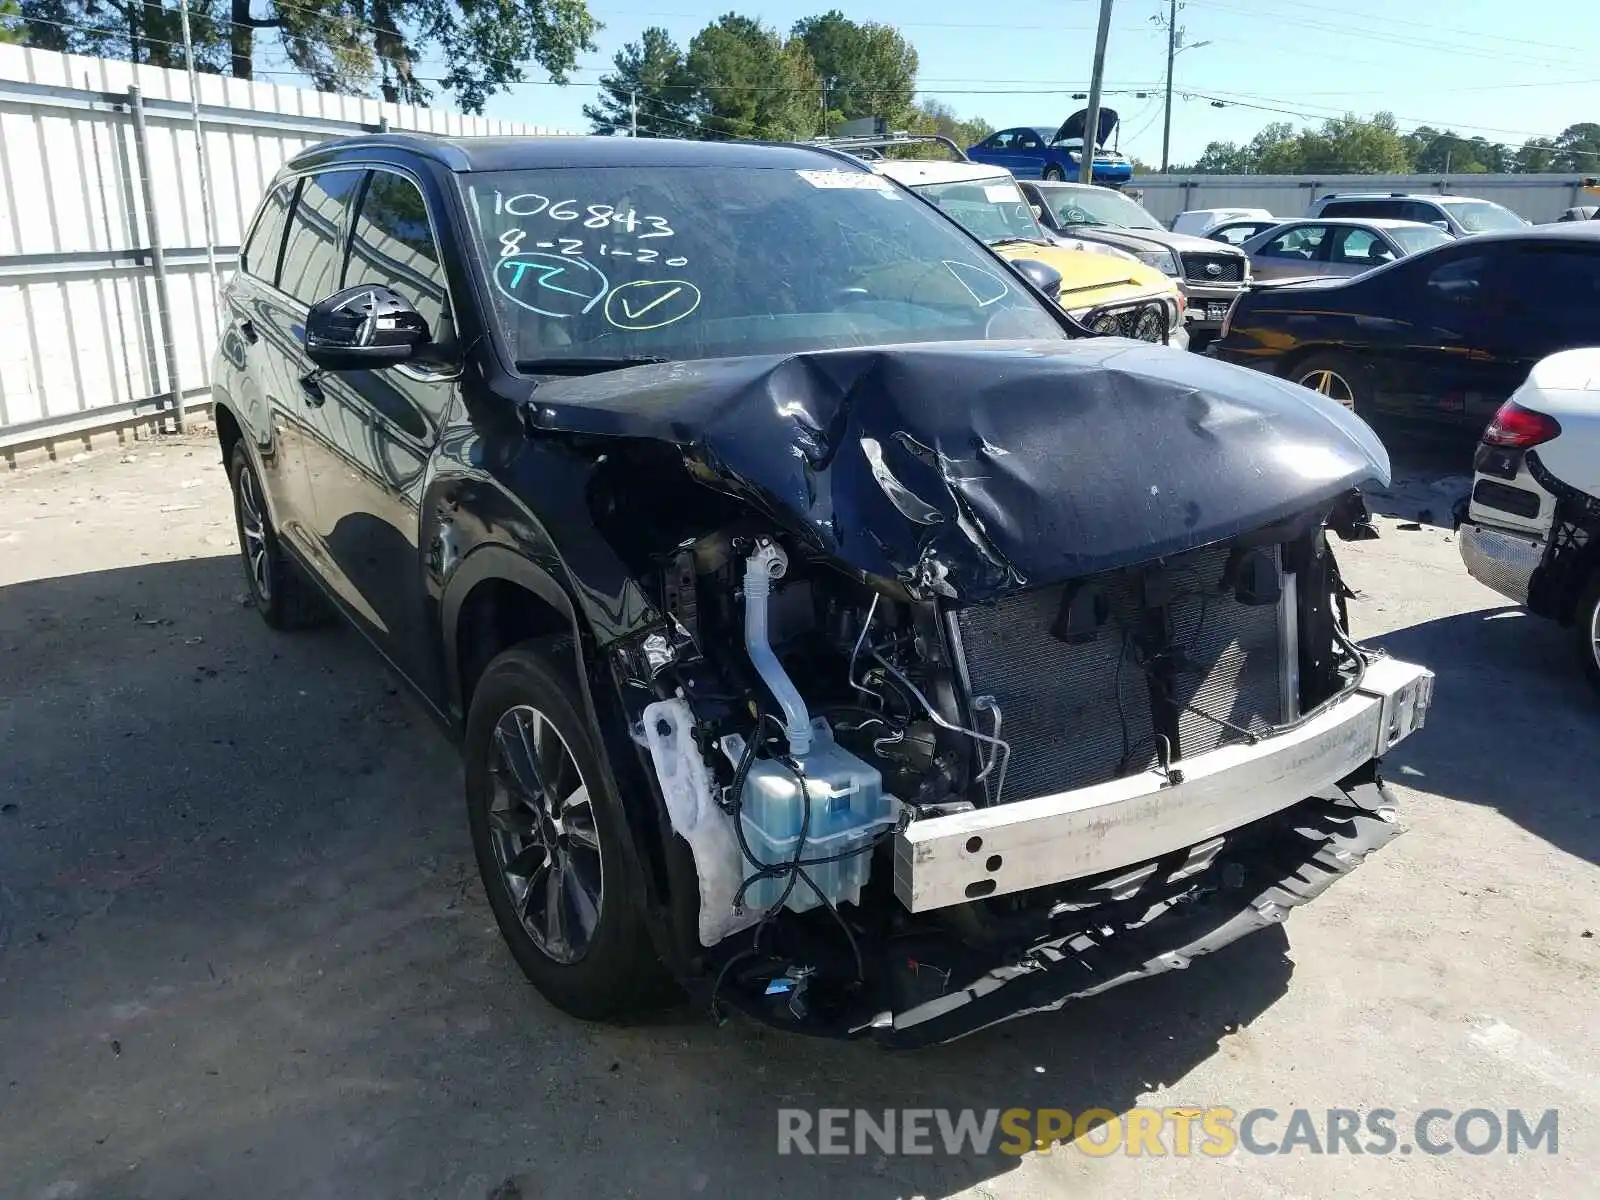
x,y
1230,268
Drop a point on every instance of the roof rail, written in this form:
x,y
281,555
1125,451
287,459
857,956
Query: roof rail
x,y
872,143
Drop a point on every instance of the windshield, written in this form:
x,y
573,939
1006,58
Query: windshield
x,y
704,262
1481,216
1418,237
1096,206
992,209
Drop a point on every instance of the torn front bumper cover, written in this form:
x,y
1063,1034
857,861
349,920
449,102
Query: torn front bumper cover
x,y
1286,860
1260,829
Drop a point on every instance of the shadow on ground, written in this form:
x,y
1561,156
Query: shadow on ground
x,y
1503,678
1430,471
243,952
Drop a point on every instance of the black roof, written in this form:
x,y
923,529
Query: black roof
x,y
1567,231
520,153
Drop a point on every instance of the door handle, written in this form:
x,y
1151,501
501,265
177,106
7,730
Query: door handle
x,y
311,391
247,330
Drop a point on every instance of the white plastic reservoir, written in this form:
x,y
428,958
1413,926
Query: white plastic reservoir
x,y
848,809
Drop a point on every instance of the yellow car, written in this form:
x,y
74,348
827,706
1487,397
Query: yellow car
x,y
1107,289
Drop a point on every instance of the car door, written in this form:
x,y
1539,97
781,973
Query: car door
x,y
384,425
1295,253
1000,149
1539,298
313,255
1423,327
1027,155
254,346
1353,249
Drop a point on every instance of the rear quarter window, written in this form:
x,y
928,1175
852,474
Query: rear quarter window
x,y
260,254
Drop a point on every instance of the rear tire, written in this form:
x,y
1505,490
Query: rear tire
x,y
1052,174
548,834
1339,378
1586,623
279,590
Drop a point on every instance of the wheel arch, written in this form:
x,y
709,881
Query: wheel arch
x,y
497,598
494,599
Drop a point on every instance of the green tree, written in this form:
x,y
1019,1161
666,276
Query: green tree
x,y
751,83
653,73
1578,148
1536,156
349,46
1348,145
134,30
11,28
1446,151
932,116
869,70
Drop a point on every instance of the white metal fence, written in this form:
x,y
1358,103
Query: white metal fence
x,y
1537,197
100,181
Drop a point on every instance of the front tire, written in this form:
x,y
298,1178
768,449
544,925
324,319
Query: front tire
x,y
548,834
1052,174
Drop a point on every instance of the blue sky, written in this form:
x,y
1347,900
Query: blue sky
x,y
1479,66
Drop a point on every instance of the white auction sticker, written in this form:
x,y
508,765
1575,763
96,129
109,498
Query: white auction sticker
x,y
845,179
1001,193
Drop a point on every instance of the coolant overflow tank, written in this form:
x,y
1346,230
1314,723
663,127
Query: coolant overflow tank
x,y
848,809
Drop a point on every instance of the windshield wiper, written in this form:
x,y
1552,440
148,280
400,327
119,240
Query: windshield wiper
x,y
592,365
1019,241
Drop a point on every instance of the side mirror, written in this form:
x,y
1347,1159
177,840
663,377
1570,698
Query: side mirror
x,y
1042,275
363,328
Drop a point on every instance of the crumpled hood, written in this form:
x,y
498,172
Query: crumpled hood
x,y
979,468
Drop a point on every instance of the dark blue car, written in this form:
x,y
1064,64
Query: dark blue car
x,y
1038,152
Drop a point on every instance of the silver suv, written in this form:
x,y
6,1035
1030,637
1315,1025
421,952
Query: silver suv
x,y
1456,215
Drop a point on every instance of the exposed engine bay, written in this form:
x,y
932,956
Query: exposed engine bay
x,y
807,723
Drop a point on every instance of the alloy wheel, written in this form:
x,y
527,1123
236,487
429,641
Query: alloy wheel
x,y
542,829
1330,384
1594,636
253,525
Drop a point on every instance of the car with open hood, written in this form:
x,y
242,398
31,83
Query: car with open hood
x,y
831,626
1212,275
1046,152
1112,293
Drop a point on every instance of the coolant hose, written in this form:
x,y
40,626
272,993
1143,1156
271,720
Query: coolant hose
x,y
766,563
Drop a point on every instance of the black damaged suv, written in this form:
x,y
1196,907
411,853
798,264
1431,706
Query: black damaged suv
x,y
828,625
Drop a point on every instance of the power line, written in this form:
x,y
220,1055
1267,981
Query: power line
x,y
1230,99
1389,19
1369,34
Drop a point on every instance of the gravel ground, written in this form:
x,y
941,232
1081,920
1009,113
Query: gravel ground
x,y
244,951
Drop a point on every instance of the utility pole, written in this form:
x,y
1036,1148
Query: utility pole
x,y
633,112
1172,53
1091,118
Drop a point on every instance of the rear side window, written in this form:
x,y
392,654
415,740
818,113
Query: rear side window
x,y
392,244
1302,243
1415,210
1361,247
1561,286
1365,208
315,247
260,254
